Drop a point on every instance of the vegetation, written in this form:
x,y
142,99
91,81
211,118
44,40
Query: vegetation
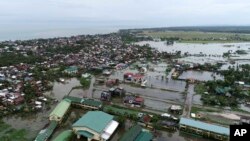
x,y
200,88
8,133
226,92
198,37
85,82
7,59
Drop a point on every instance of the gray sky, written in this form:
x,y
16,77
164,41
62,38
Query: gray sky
x,y
132,13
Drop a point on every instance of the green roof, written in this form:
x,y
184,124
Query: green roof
x,y
85,134
132,133
136,133
144,136
46,133
205,126
71,69
94,120
85,101
61,108
64,136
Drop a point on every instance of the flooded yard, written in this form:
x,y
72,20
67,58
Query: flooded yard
x,y
179,136
200,75
32,122
62,89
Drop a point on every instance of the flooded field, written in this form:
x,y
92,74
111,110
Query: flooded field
x,y
62,89
200,75
179,136
32,122
193,48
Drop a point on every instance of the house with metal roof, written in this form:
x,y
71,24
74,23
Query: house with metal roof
x,y
204,129
136,133
84,102
71,70
64,136
60,110
45,134
95,125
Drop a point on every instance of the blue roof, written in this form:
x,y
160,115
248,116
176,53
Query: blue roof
x,y
205,126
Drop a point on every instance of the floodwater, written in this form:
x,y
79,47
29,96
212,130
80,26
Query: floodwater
x,y
62,89
179,136
33,123
200,75
194,48
155,93
197,99
245,108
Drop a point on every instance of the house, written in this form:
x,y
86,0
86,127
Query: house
x,y
95,125
136,100
136,133
112,82
175,109
117,91
106,96
204,129
71,70
128,76
60,111
84,103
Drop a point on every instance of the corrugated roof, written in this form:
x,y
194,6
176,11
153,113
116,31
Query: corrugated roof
x,y
84,101
205,126
144,136
61,108
46,133
85,134
95,120
131,134
64,136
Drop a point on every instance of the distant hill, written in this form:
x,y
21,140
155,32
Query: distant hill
x,y
227,29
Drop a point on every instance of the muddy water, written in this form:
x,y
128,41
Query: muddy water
x,y
197,99
211,48
200,75
62,89
33,123
156,105
155,93
179,136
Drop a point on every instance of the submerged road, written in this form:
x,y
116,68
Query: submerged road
x,y
188,101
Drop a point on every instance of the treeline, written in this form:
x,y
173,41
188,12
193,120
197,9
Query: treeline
x,y
227,29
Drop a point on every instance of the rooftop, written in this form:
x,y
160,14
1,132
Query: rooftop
x,y
46,133
64,136
84,101
95,120
61,108
205,126
136,133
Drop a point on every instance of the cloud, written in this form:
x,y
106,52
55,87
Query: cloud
x,y
126,12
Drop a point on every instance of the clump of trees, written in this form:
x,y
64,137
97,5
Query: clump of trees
x,y
226,92
85,82
7,59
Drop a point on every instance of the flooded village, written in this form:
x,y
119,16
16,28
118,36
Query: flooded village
x,y
107,87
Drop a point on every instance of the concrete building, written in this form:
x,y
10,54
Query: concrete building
x,y
95,125
204,129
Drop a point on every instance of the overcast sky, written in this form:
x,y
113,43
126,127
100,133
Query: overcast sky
x,y
143,13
